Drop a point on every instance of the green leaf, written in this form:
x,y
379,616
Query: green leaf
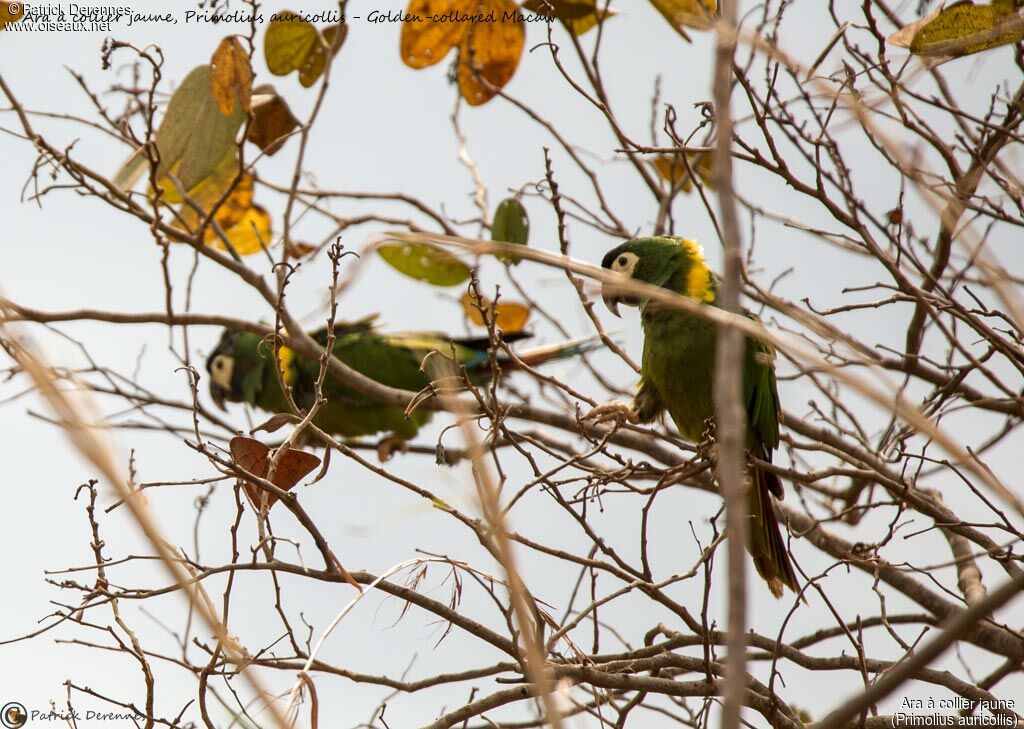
x,y
195,135
425,263
966,28
510,225
291,44
288,43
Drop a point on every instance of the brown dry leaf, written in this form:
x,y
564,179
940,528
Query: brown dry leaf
x,y
509,316
272,120
424,44
490,52
231,75
300,250
578,16
253,456
682,14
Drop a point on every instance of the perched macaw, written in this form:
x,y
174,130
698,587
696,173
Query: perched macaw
x,y
241,369
677,371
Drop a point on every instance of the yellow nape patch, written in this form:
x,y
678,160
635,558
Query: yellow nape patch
x,y
698,280
286,356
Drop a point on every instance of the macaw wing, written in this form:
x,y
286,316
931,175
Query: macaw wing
x,y
470,352
760,393
365,325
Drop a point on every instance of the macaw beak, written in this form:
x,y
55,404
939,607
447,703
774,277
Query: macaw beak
x,y
218,396
611,299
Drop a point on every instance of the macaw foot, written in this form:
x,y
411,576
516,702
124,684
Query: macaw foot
x,y
388,446
707,448
615,411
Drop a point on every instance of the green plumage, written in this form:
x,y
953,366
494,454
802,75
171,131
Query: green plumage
x,y
242,370
677,376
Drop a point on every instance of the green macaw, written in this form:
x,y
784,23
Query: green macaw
x,y
241,369
677,371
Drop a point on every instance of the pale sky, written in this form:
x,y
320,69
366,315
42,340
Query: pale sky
x,y
384,127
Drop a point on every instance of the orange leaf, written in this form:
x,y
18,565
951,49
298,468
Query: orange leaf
x,y
10,13
508,316
425,43
253,456
231,75
489,52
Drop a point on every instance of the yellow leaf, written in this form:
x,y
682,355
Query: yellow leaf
x,y
208,190
231,75
245,224
966,28
489,52
682,14
673,169
230,212
248,234
425,43
509,316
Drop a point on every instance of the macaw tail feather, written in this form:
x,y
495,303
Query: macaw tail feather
x,y
766,546
552,352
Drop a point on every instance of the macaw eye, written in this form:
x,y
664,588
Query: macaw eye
x,y
222,370
622,261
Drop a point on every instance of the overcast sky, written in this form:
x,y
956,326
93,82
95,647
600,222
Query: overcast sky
x,y
384,127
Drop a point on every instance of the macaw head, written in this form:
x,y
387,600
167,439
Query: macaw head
x,y
674,263
227,364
